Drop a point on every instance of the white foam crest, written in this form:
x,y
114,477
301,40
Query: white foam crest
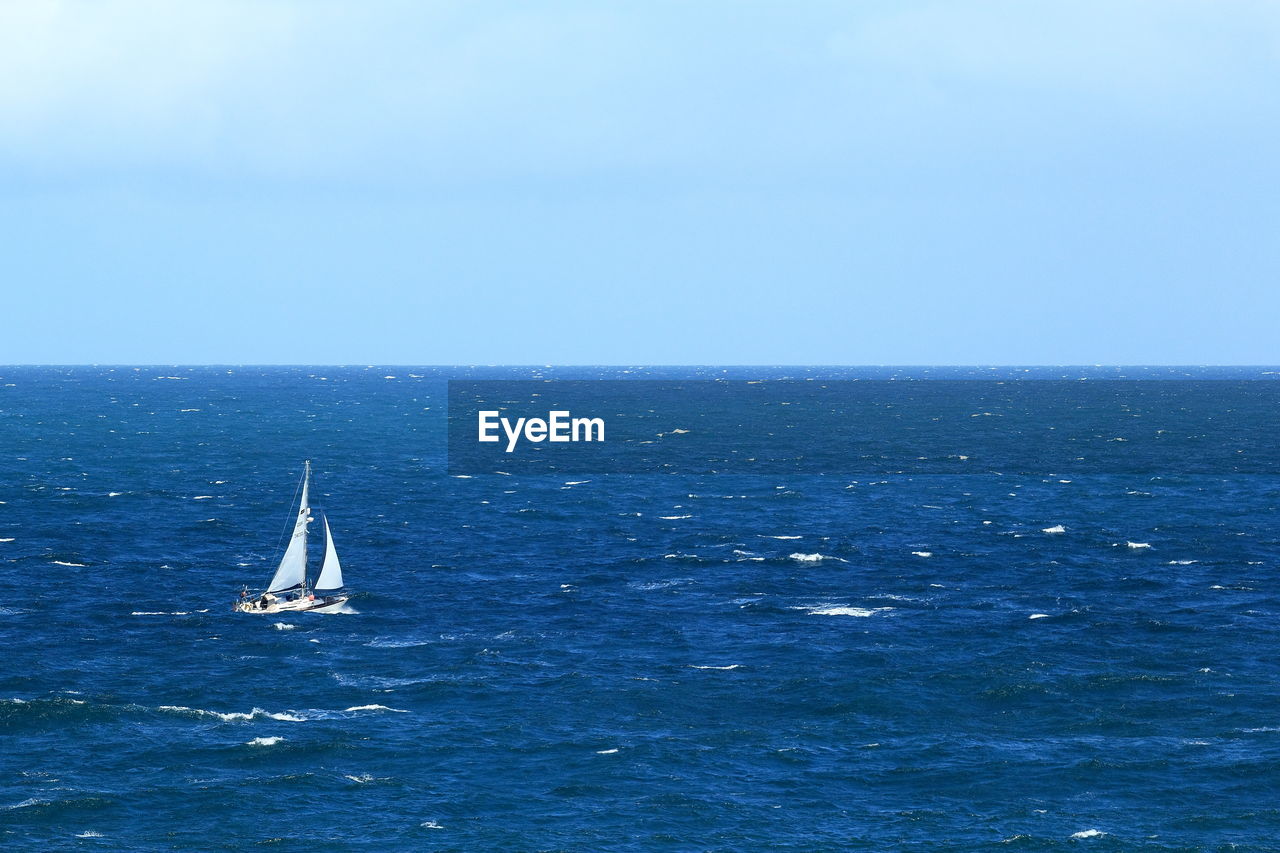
x,y
1183,562
73,565
10,539
264,741
203,498
88,833
674,517
374,708
606,751
814,558
161,613
362,779
922,553
730,666
284,626
1057,528
765,536
1088,833
1038,616
652,585
842,610
234,716
430,824
27,804
1138,545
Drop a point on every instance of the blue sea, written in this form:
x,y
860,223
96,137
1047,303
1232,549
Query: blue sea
x,y
1034,660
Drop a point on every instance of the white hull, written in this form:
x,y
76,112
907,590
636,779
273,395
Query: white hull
x,y
331,604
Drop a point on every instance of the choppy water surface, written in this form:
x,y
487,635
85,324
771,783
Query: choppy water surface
x,y
1057,662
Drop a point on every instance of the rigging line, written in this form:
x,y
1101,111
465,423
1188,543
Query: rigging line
x,y
289,521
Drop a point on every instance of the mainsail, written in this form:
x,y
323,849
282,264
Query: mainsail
x,y
292,572
330,579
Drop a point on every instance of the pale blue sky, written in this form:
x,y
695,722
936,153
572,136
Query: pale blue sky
x,y
958,182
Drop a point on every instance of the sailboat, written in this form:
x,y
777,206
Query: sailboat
x,y
289,591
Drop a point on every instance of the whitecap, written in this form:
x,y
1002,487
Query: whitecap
x,y
674,517
813,558
730,666
284,626
1182,562
88,833
606,751
264,741
202,497
10,539
1088,833
160,613
764,536
73,565
233,716
842,610
27,803
114,494
1057,528
1038,616
374,708
1138,545
570,482
362,779
922,553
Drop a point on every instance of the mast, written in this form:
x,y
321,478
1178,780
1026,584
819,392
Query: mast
x,y
292,571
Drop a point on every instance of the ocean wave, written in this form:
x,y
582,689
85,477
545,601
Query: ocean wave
x,y
730,666
922,553
814,558
1138,545
1088,833
374,708
1038,616
264,741
284,626
233,716
842,610
1057,528
379,643
649,586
